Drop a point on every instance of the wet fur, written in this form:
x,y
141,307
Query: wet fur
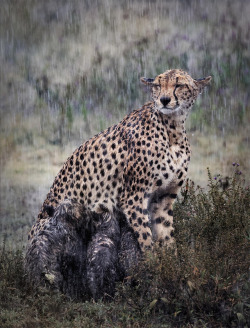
x,y
82,258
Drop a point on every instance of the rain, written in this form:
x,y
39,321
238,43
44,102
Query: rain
x,y
70,69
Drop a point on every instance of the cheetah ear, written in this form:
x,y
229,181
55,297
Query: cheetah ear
x,y
147,81
202,83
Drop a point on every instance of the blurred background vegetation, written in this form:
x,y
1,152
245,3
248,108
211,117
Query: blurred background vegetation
x,y
71,68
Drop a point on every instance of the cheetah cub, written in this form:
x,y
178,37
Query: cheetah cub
x,y
135,167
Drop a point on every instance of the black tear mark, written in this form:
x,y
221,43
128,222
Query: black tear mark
x,y
188,87
177,102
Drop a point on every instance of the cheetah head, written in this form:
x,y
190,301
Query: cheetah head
x,y
174,91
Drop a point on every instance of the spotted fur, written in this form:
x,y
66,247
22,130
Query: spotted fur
x,y
136,166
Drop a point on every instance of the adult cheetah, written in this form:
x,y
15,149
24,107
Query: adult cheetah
x,y
134,168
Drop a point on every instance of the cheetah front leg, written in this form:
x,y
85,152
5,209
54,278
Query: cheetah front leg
x,y
136,212
161,214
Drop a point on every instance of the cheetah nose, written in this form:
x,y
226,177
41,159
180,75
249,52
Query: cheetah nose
x,y
165,101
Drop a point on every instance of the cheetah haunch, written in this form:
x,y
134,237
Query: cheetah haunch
x,y
122,184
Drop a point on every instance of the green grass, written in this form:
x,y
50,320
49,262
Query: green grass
x,y
205,285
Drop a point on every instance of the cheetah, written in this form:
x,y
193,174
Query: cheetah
x,y
136,166
113,198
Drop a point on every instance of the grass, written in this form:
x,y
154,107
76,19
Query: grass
x,y
205,285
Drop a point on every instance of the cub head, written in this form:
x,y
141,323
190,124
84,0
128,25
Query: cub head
x,y
174,91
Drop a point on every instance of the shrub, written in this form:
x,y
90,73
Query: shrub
x,y
206,283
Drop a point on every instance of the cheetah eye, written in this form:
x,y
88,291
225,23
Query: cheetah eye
x,y
179,85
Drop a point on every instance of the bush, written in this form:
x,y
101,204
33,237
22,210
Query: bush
x,y
207,282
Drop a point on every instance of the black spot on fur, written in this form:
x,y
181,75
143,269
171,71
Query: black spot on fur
x,y
180,183
159,220
166,223
173,196
170,213
165,175
159,183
